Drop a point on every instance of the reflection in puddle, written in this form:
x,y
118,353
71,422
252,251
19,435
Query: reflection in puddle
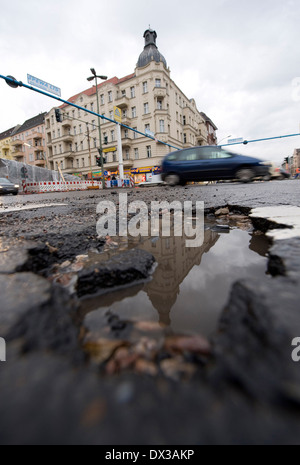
x,y
189,287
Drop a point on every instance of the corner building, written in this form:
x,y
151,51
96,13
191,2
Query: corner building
x,y
150,102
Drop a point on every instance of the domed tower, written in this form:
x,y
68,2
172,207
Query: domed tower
x,y
150,52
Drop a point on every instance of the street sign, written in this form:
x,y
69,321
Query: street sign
x,y
239,140
117,115
33,81
149,133
111,149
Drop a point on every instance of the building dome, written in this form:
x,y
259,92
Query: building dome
x,y
150,52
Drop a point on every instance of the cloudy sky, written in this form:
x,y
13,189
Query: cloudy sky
x,y
238,59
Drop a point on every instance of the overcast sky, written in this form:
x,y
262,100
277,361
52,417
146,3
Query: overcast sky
x,y
238,59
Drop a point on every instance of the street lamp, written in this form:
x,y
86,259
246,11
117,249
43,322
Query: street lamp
x,y
104,78
227,137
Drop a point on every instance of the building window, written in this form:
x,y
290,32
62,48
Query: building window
x,y
114,157
77,162
111,114
78,113
161,125
76,147
184,120
184,138
112,134
147,128
58,133
93,125
149,153
132,92
133,112
31,157
59,148
159,104
75,130
157,82
146,108
126,133
80,129
81,145
145,87
136,154
124,114
110,97
102,99
135,135
95,142
127,154
92,106
83,162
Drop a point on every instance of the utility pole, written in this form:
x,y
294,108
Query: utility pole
x,y
95,76
90,156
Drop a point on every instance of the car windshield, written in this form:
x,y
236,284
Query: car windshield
x,y
4,181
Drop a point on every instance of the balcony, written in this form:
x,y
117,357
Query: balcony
x,y
17,153
69,154
64,138
66,122
161,136
160,92
40,163
126,142
122,102
17,142
37,135
38,148
19,156
161,112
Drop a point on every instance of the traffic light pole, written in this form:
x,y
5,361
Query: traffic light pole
x,y
100,136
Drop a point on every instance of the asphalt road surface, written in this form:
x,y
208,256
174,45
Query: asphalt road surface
x,y
135,383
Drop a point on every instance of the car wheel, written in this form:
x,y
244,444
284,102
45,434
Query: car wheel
x,y
172,180
245,175
267,177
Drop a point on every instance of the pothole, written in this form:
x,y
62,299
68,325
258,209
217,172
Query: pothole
x,y
164,324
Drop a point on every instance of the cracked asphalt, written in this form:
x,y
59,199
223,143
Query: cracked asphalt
x,y
241,387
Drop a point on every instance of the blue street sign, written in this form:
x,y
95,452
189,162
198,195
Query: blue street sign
x,y
33,81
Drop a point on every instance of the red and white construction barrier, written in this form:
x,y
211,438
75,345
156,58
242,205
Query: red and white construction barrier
x,y
43,187
132,183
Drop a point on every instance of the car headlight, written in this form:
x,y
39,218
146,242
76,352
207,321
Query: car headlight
x,y
17,186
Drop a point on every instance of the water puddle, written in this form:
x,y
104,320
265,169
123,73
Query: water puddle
x,y
164,325
190,286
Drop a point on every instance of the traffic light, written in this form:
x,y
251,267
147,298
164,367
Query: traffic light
x,y
58,115
105,140
98,161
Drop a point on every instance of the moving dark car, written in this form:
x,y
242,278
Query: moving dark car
x,y
7,187
210,163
